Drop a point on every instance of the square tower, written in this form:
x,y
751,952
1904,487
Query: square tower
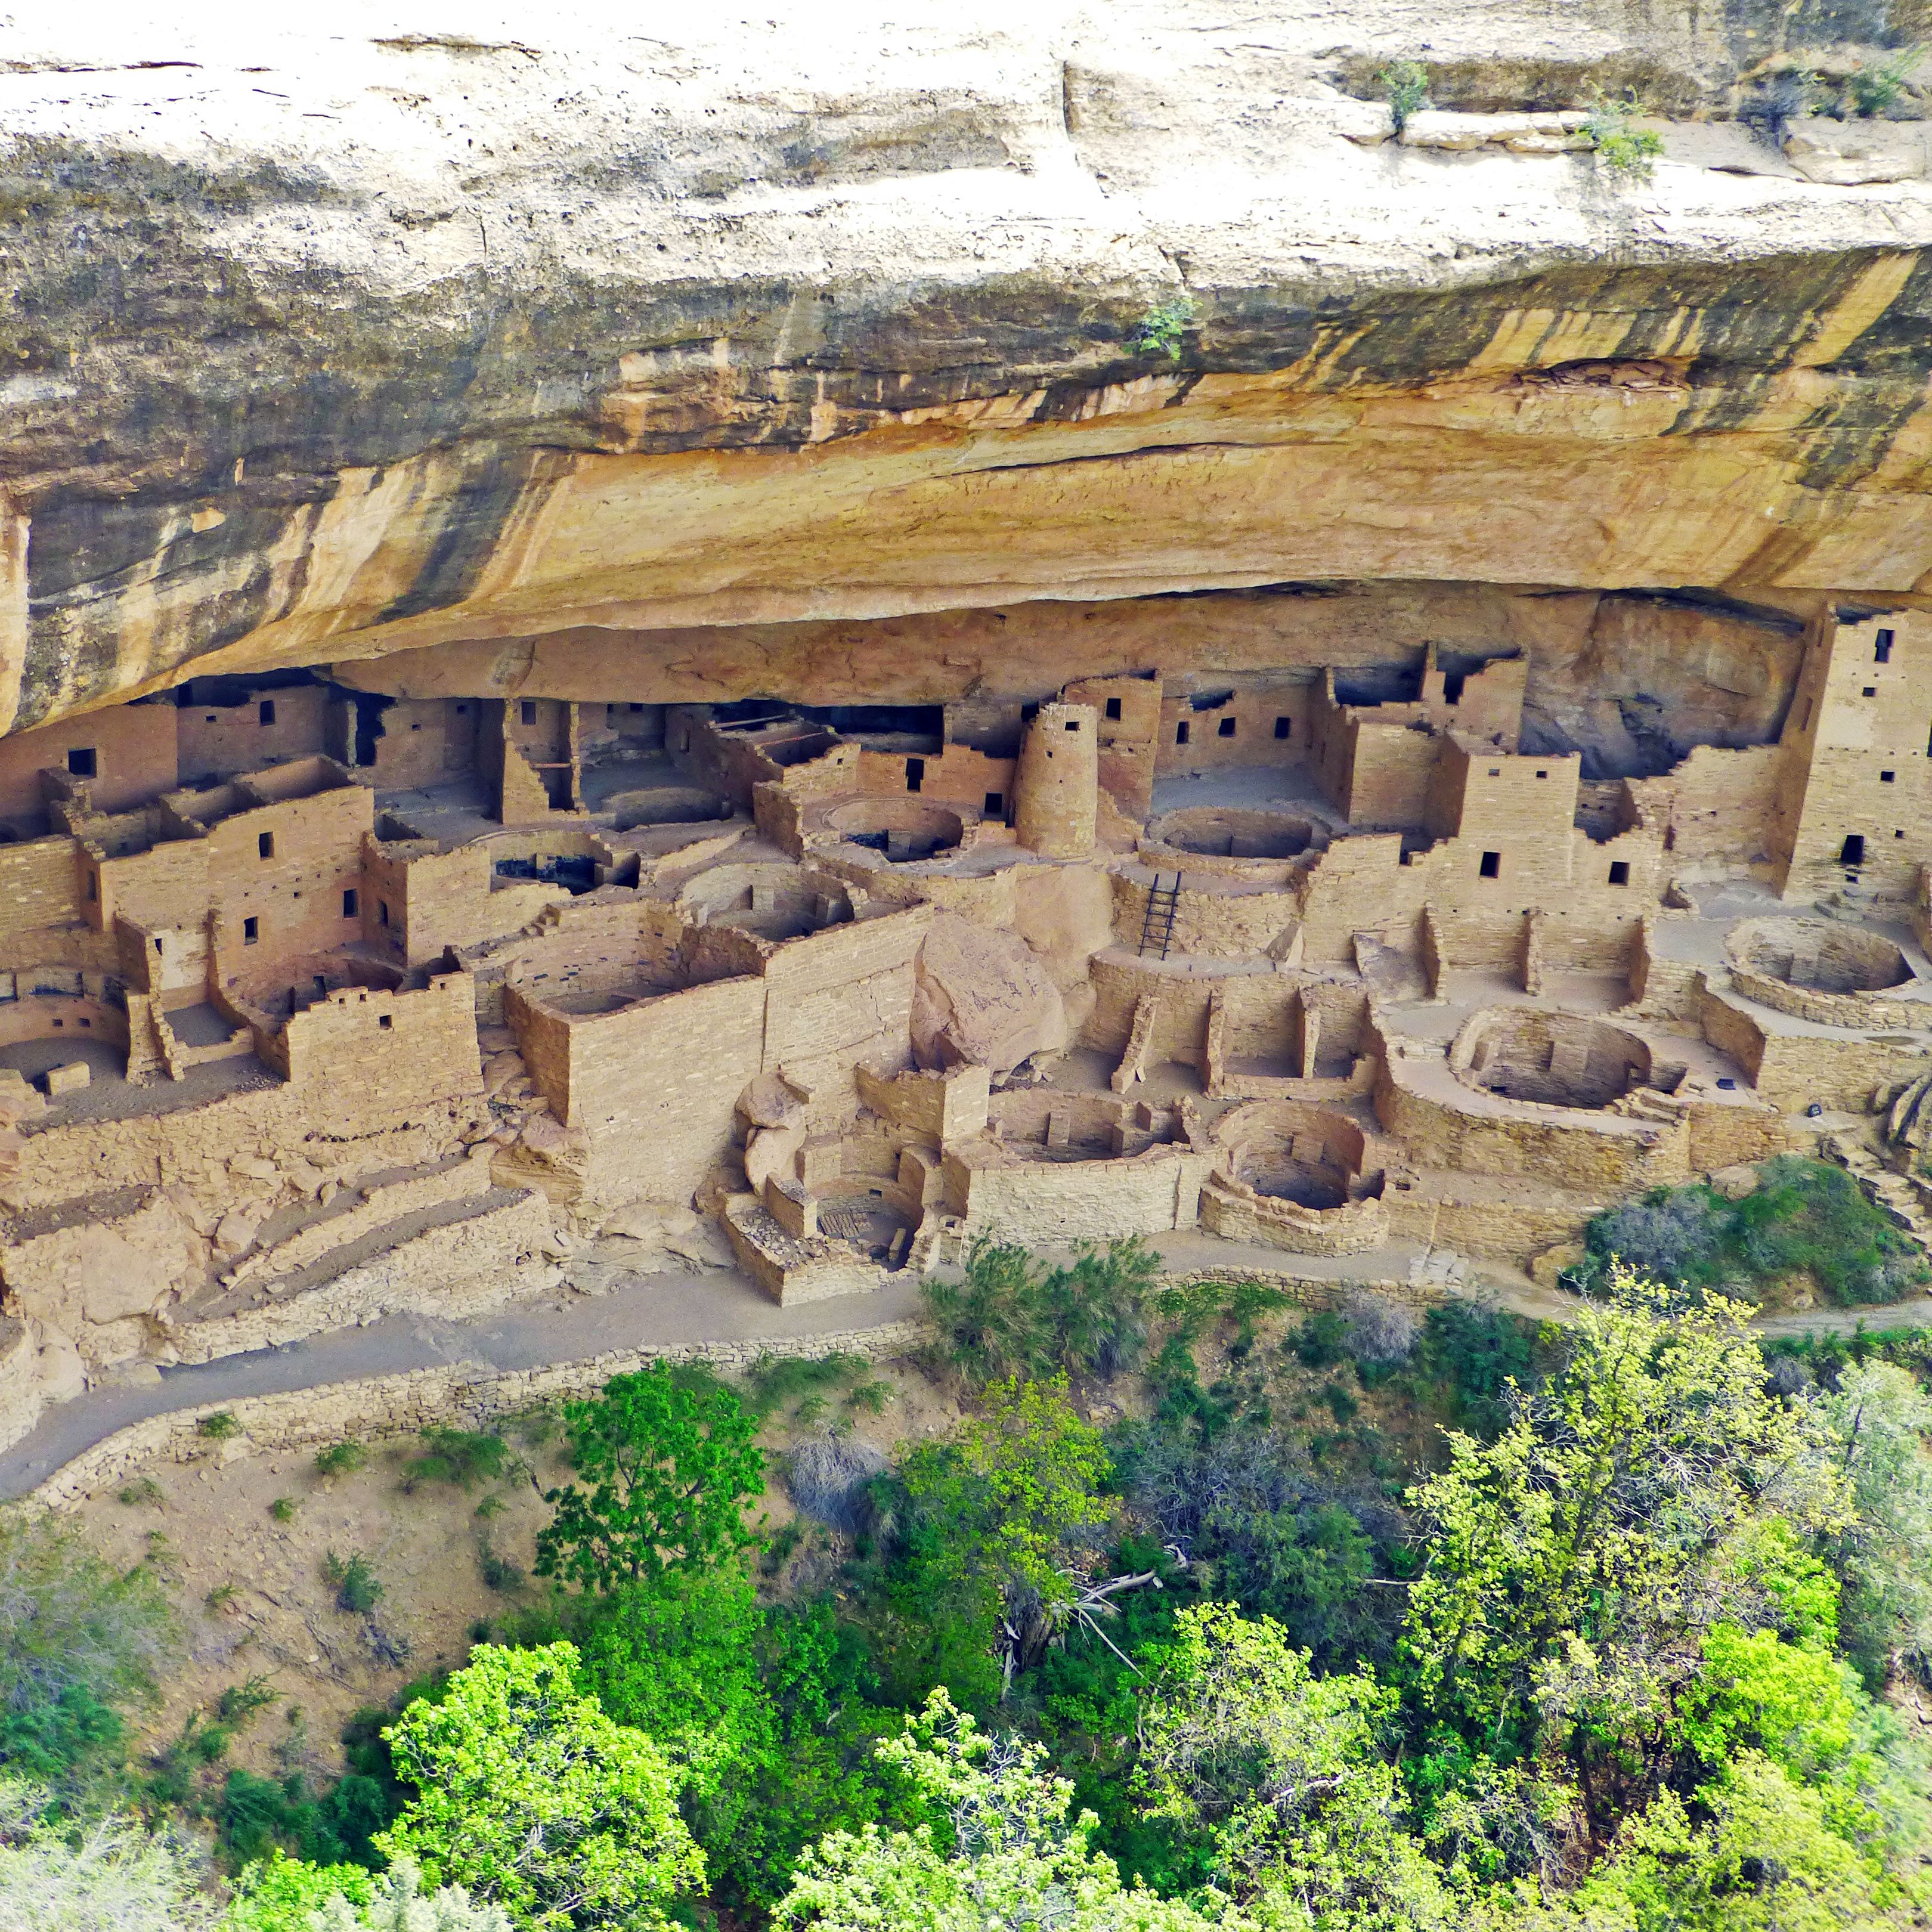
x,y
1854,806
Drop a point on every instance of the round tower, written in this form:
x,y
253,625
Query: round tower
x,y
1056,786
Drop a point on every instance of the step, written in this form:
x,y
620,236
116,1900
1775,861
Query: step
x,y
449,1261
379,1201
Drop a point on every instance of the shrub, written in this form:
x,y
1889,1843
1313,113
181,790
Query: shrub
x,y
239,1702
146,1490
1321,1341
353,1582
1625,149
498,1572
1406,83
283,1509
1803,1215
219,1426
1874,91
340,1459
1163,328
1381,1331
462,1456
829,1478
77,1639
777,1382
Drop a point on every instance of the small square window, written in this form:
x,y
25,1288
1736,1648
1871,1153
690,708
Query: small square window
x,y
1898,835
251,931
1284,727
996,804
1870,691
1888,777
266,711
1492,867
1226,727
264,843
1113,707
1180,733
1543,774
383,1020
1072,724
1495,771
349,903
81,761
527,711
1619,871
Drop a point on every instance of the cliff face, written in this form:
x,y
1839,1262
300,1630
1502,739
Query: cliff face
x,y
324,344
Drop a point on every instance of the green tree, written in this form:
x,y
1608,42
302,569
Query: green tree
x,y
110,1874
1883,1420
1001,1851
1565,1599
1018,1494
396,1903
1240,1739
529,1795
78,1639
670,1459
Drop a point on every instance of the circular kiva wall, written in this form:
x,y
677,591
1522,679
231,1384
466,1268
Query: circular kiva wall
x,y
1558,1060
1834,975
1290,1175
1212,831
905,830
775,900
666,805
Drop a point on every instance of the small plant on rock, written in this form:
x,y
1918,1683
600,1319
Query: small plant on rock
x,y
1625,149
146,1490
1163,328
219,1426
239,1702
1871,91
283,1509
1407,82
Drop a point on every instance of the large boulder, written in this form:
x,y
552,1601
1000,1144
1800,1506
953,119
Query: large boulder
x,y
982,998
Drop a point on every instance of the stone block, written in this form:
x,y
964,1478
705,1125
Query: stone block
x,y
68,1078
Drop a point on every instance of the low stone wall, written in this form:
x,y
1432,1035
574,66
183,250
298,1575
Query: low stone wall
x,y
380,1405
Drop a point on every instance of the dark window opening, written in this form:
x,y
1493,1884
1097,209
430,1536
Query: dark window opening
x,y
1492,867
349,903
1284,727
264,843
1853,851
462,710
382,912
1028,712
251,931
1619,871
1888,777
265,711
1113,707
1543,774
1495,771
996,804
1870,691
1881,653
527,711
1072,724
636,707
1452,687
1180,733
81,761
94,885
1226,727
383,1020
1898,835
157,946
915,773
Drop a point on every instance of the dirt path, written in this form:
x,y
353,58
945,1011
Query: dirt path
x,y
717,1305
662,1310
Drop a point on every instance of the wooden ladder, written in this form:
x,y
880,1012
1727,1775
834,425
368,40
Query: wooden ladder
x,y
1157,921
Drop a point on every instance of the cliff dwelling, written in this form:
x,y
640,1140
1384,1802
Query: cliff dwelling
x,y
1372,705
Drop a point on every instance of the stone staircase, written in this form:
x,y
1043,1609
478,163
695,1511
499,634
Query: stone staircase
x,y
440,1240
1646,1103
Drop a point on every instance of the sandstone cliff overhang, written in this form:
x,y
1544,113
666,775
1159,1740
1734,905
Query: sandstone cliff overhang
x,y
324,340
